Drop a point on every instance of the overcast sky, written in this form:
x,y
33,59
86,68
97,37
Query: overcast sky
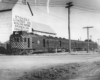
x,y
84,13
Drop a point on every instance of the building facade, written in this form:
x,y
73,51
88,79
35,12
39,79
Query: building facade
x,y
14,16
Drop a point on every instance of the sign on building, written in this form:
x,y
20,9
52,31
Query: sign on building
x,y
21,23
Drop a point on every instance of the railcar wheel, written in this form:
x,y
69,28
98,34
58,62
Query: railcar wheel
x,y
16,51
28,52
22,52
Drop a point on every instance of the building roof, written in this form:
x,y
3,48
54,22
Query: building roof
x,y
7,4
39,27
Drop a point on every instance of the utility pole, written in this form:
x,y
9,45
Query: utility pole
x,y
88,37
68,6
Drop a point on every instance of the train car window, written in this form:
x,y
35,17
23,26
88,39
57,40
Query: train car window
x,y
17,39
21,39
47,42
43,42
12,39
60,43
28,42
24,39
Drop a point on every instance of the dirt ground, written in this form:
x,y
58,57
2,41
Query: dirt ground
x,y
50,67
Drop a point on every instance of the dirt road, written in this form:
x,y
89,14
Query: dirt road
x,y
30,61
13,66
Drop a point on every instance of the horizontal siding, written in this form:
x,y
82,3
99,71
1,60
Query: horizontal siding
x,y
5,25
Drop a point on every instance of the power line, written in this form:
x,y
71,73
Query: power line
x,y
87,9
95,10
53,3
51,14
55,16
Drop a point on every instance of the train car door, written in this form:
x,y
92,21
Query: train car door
x,y
43,42
28,42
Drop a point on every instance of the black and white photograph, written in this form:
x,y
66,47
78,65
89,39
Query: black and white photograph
x,y
49,40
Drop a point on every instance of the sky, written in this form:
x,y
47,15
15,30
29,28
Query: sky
x,y
84,13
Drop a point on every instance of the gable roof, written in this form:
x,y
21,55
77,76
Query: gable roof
x,y
7,4
42,28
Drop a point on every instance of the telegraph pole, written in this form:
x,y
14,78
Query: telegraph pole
x,y
68,6
87,37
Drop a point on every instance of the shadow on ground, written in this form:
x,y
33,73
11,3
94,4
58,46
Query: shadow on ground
x,y
72,71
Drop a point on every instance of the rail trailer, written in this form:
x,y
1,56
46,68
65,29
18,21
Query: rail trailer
x,y
22,42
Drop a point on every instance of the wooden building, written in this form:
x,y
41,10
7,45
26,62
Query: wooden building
x,y
16,15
